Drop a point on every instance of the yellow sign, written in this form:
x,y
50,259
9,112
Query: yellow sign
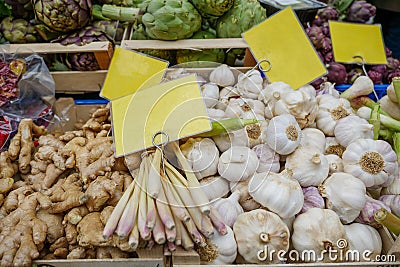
x,y
175,108
129,71
353,42
282,42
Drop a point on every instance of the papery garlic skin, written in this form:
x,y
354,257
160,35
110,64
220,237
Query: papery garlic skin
x,y
222,76
235,138
268,159
358,127
317,230
229,208
372,161
335,163
330,111
308,166
393,188
312,199
244,108
344,194
250,84
361,238
289,223
210,93
245,200
271,94
327,88
202,155
215,114
313,137
223,247
333,147
393,201
214,187
237,163
278,192
260,230
391,93
224,95
283,134
367,212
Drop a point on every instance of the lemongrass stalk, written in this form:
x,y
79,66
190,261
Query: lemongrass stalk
x,y
187,242
178,227
170,234
166,251
374,120
207,228
159,231
217,221
193,232
133,240
362,101
389,220
154,183
151,208
199,197
181,180
396,86
396,144
387,122
177,208
150,244
171,246
164,210
227,126
116,214
145,233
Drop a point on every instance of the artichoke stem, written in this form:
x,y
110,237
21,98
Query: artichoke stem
x,y
97,13
388,220
128,14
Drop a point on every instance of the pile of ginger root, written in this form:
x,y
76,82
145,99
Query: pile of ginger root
x,y
57,191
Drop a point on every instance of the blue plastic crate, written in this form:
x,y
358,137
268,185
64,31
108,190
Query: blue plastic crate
x,y
380,90
90,101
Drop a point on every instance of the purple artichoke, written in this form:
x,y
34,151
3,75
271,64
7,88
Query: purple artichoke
x,y
375,76
393,63
395,73
21,8
353,74
337,73
316,36
325,29
328,57
326,14
361,11
63,15
326,45
82,62
388,52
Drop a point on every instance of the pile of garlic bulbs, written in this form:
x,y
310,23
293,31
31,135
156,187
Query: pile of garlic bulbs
x,y
300,179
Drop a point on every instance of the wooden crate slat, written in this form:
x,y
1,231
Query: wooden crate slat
x,y
139,262
53,48
78,81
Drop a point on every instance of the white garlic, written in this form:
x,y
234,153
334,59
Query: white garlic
x,y
331,109
345,194
210,92
268,158
363,85
250,84
271,94
244,108
229,208
202,155
257,133
312,199
260,230
313,137
245,200
308,166
215,114
214,187
317,230
372,161
393,188
362,238
278,192
235,138
335,163
289,223
222,76
327,88
358,127
333,147
237,163
283,134
391,93
224,95
392,108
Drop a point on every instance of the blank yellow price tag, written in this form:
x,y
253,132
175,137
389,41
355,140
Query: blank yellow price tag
x,y
129,71
354,43
282,41
176,108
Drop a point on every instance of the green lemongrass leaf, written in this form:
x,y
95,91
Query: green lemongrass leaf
x,y
227,126
360,101
396,144
374,119
386,135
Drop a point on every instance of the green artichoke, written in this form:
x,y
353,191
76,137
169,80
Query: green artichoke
x,y
241,17
213,55
18,31
130,3
63,15
21,8
170,19
212,7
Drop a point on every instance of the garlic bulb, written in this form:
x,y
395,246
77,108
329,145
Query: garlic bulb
x,y
222,76
245,200
361,238
202,155
244,108
333,147
257,133
268,158
289,222
391,93
330,111
372,161
215,114
313,137
229,208
393,188
301,104
392,108
317,230
283,134
271,94
345,194
250,84
237,163
210,92
363,85
393,202
308,166
358,127
335,163
312,199
367,212
278,192
260,230
220,249
224,95
214,187
235,138
327,88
